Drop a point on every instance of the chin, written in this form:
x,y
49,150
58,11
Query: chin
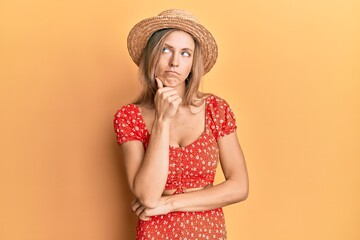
x,y
171,83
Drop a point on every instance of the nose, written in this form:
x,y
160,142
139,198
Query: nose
x,y
174,61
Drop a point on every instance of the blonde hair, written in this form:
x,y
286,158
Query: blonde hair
x,y
148,62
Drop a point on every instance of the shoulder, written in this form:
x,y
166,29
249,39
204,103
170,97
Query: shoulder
x,y
216,102
128,124
221,118
127,110
127,116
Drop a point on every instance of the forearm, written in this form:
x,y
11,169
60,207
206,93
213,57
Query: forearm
x,y
221,195
209,198
150,180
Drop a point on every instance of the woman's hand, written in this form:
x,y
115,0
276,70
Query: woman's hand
x,y
167,101
144,213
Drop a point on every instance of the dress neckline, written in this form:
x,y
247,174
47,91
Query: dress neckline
x,y
190,144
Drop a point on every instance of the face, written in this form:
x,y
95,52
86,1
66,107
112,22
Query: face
x,y
176,59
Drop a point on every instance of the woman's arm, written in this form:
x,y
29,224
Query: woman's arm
x,y
234,189
147,170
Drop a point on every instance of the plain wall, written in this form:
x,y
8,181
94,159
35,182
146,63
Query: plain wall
x,y
289,69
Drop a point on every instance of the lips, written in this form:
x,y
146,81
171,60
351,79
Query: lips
x,y
172,72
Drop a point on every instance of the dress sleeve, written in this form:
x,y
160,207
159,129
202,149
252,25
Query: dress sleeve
x,y
126,125
223,118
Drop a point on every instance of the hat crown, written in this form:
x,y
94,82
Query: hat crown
x,y
179,13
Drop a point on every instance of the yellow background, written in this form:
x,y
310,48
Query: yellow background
x,y
289,69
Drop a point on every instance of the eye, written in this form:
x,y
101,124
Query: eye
x,y
165,50
186,54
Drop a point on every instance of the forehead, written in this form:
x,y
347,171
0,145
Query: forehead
x,y
180,39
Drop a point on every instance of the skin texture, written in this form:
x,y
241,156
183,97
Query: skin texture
x,y
176,60
171,123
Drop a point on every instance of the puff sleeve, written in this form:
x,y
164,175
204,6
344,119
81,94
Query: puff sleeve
x,y
127,124
223,121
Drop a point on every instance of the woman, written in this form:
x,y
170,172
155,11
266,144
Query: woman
x,y
173,136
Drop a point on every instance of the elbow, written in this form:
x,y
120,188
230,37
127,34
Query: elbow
x,y
242,194
146,200
149,203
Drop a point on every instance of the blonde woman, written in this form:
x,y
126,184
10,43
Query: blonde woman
x,y
172,137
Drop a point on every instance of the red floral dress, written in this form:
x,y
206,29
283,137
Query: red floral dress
x,y
192,166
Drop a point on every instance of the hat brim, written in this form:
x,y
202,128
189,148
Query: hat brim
x,y
141,32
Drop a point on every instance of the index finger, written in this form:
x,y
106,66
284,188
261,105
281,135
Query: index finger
x,y
159,83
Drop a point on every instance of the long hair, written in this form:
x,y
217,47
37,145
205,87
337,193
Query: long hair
x,y
148,62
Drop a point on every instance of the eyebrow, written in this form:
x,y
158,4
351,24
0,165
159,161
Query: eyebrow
x,y
186,49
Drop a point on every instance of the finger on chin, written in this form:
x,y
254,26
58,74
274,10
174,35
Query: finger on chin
x,y
159,83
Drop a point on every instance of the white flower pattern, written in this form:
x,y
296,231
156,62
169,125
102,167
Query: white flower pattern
x,y
191,166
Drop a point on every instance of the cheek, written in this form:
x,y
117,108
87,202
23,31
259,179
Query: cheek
x,y
157,70
161,63
159,66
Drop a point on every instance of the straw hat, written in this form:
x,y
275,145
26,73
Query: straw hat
x,y
172,18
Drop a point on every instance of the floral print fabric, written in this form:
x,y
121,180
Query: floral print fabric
x,y
191,166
